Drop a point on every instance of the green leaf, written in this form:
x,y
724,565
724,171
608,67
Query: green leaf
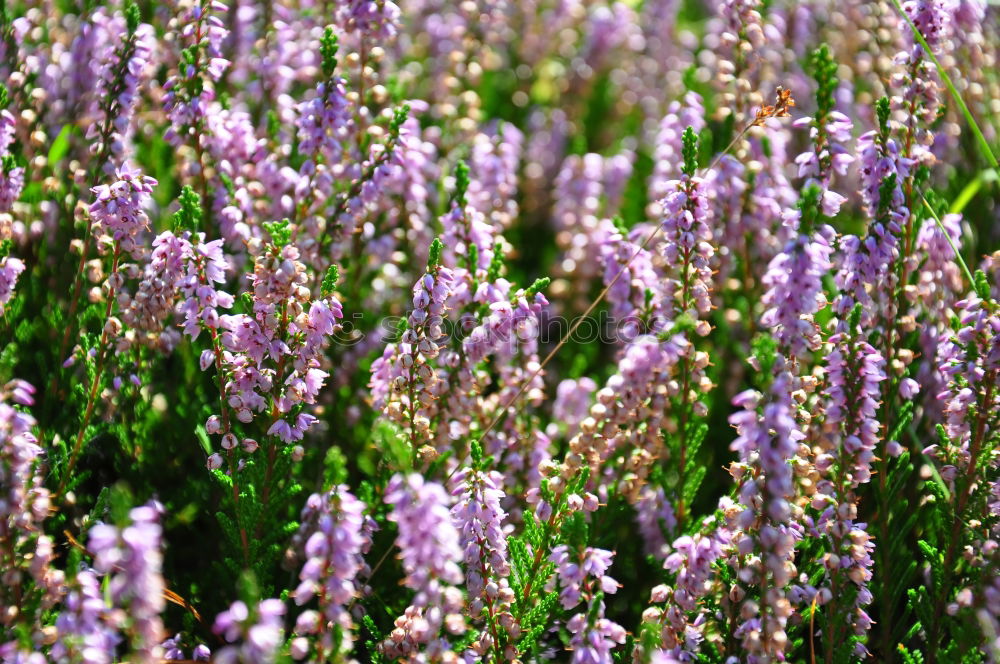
x,y
60,146
202,435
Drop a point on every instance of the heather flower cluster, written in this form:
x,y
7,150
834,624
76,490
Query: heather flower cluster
x,y
500,331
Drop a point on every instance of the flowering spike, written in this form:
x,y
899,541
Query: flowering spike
x,y
399,116
496,263
854,318
280,232
539,285
882,111
809,207
132,17
982,285
473,260
434,256
824,70
328,47
690,151
461,182
188,217
330,281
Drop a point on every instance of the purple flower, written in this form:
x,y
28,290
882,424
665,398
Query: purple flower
x,y
131,556
333,528
118,208
190,92
85,625
493,167
373,19
682,619
687,245
655,518
582,572
325,122
479,518
592,641
508,325
260,632
126,56
970,359
766,444
10,269
866,274
573,401
430,550
205,267
8,129
668,157
428,541
11,184
27,554
582,577
794,283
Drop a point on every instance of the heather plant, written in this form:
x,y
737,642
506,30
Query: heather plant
x,y
603,331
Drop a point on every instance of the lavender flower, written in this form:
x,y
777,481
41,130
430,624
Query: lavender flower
x,y
493,164
10,269
260,632
413,378
374,19
278,345
325,122
27,553
133,559
592,640
479,518
430,551
83,624
573,401
688,246
118,209
117,87
173,650
655,518
794,288
766,443
11,175
205,267
669,155
428,541
149,309
190,92
582,578
508,325
918,81
854,371
971,360
334,530
682,620
866,275
829,130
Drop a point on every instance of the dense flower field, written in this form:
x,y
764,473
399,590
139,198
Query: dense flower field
x,y
591,331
